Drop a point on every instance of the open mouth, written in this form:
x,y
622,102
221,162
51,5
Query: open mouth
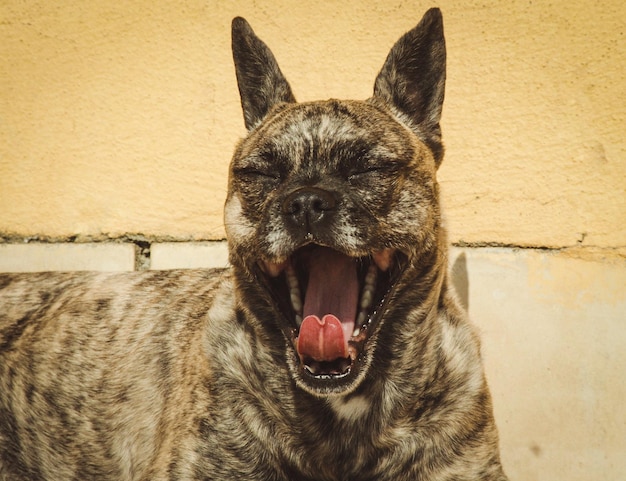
x,y
333,302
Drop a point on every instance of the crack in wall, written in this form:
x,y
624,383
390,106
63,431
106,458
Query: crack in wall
x,y
9,238
505,245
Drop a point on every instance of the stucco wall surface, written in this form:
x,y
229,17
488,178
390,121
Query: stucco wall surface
x,y
120,117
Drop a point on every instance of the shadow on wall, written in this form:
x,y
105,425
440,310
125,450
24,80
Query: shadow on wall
x,y
460,280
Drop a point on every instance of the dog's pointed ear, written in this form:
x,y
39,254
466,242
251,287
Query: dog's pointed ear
x,y
261,83
412,80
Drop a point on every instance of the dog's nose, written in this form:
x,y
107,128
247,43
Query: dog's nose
x,y
308,206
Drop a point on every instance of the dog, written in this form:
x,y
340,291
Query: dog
x,y
333,347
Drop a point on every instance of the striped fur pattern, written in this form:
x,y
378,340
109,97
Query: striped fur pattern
x,y
332,349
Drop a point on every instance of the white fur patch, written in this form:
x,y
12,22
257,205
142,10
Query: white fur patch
x,y
223,308
237,226
277,239
350,410
462,355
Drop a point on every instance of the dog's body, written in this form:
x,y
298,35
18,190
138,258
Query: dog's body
x,y
333,348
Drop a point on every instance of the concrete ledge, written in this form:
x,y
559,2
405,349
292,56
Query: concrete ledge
x,y
188,255
39,257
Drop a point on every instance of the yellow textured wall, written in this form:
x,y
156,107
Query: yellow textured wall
x,y
120,117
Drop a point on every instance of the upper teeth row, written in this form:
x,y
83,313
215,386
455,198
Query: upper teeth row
x,y
294,292
367,297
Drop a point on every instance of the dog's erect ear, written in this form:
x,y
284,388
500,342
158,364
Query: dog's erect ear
x,y
413,79
261,83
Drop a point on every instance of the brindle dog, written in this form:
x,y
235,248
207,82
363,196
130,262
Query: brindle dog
x,y
333,349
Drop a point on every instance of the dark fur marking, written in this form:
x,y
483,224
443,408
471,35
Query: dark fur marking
x,y
14,332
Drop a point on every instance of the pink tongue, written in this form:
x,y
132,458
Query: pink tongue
x,y
322,339
330,306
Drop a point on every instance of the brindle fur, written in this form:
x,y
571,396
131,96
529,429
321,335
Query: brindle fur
x,y
193,374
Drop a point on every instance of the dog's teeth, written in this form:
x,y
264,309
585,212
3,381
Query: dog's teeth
x,y
369,287
272,269
295,301
366,298
313,367
292,279
298,318
370,278
294,291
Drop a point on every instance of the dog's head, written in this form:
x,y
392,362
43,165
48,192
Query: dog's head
x,y
333,205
